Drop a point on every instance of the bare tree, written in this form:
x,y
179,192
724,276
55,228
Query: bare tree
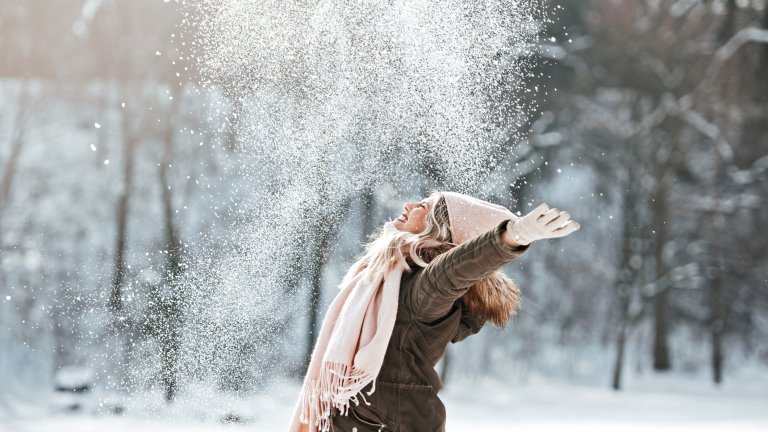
x,y
165,310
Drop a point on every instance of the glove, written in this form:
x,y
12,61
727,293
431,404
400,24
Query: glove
x,y
541,223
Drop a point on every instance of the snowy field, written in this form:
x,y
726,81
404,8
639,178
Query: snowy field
x,y
666,403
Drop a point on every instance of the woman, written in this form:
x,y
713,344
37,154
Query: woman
x,y
431,277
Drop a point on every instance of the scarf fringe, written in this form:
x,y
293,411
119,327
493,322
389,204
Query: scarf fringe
x,y
338,385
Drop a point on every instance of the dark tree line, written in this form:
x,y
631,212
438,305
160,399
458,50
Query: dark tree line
x,y
668,101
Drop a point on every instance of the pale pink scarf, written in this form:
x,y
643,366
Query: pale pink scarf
x,y
350,348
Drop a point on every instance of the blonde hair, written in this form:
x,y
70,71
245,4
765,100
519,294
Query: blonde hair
x,y
495,297
386,249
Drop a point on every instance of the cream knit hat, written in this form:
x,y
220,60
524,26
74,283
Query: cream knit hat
x,y
470,217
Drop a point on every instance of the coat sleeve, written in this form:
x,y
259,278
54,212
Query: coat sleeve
x,y
433,290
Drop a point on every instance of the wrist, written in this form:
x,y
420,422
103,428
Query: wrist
x,y
512,237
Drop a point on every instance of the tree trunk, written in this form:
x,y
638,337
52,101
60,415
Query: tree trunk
x,y
661,361
123,201
716,328
324,231
321,241
627,272
764,60
718,308
18,141
661,358
170,335
618,365
624,285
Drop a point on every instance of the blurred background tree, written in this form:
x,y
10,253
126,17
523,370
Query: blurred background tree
x,y
118,171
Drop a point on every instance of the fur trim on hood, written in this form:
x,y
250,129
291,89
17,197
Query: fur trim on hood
x,y
495,298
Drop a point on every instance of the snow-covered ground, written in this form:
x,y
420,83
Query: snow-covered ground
x,y
650,403
657,404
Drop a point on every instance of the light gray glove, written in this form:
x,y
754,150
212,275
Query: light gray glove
x,y
541,223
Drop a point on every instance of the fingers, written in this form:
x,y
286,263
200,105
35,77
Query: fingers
x,y
549,216
566,229
544,222
559,220
540,210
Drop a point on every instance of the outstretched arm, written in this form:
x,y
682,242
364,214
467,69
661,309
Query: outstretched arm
x,y
432,292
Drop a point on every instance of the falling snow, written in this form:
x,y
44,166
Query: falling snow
x,y
373,80
333,98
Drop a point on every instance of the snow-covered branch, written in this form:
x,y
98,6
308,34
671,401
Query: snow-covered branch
x,y
725,52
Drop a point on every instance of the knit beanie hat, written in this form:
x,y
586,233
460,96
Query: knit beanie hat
x,y
470,217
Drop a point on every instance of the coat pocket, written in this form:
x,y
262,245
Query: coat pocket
x,y
361,419
371,423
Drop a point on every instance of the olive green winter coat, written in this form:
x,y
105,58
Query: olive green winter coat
x,y
430,314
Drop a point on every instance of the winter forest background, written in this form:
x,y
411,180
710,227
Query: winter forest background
x,y
183,185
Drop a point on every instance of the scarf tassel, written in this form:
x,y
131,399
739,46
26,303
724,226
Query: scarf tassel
x,y
338,385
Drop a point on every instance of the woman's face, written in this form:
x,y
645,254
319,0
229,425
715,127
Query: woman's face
x,y
413,217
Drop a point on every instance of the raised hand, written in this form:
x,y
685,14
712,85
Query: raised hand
x,y
543,222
